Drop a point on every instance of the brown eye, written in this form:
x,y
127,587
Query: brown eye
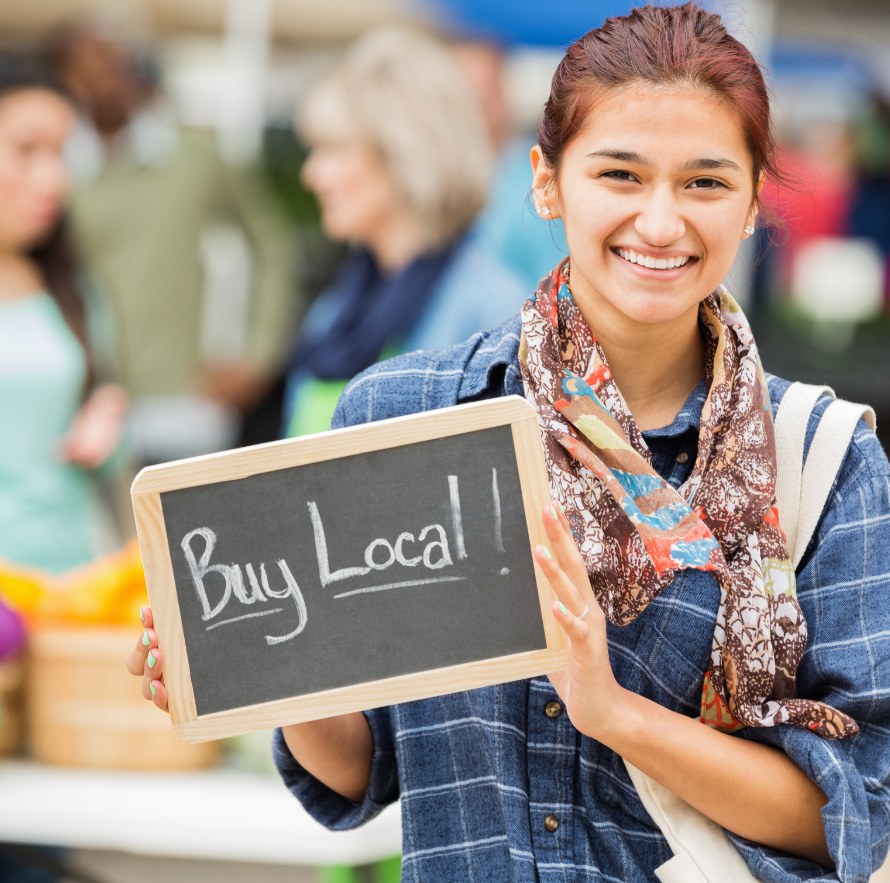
x,y
707,184
618,175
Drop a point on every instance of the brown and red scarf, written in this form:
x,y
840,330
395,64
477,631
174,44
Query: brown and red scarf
x,y
635,531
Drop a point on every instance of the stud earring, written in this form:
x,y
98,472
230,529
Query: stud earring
x,y
545,210
749,229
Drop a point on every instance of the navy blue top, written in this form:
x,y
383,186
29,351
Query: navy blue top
x,y
478,772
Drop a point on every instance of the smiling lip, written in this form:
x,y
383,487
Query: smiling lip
x,y
660,264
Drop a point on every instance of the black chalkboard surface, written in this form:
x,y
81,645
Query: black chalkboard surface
x,y
348,570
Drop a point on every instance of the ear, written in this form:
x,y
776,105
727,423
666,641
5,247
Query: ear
x,y
544,190
751,221
754,211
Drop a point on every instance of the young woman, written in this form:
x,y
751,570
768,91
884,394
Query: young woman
x,y
673,577
58,424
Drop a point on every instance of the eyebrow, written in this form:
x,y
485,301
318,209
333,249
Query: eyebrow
x,y
694,165
622,156
704,164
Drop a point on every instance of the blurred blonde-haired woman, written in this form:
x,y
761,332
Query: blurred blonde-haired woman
x,y
400,162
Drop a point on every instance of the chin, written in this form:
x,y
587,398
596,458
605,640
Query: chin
x,y
335,232
35,237
651,310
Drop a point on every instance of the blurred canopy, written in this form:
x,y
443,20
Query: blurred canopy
x,y
526,22
290,19
513,22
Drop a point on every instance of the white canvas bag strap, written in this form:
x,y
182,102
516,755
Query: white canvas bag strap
x,y
791,423
702,851
826,454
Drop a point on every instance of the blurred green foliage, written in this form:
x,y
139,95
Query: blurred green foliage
x,y
282,161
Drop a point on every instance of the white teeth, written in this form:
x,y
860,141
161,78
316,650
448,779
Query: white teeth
x,y
651,262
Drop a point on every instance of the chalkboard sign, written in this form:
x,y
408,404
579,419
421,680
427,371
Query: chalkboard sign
x,y
347,570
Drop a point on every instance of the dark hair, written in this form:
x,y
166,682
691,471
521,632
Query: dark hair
x,y
661,46
55,255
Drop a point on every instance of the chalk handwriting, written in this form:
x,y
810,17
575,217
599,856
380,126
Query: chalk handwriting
x,y
456,518
430,548
436,553
496,498
234,584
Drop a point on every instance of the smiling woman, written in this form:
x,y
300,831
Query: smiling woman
x,y
59,425
699,654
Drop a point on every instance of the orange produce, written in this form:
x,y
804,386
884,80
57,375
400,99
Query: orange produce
x,y
109,590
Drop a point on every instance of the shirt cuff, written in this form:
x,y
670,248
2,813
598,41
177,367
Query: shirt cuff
x,y
329,808
846,819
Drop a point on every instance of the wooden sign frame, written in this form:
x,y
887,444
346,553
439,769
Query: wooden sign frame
x,y
155,480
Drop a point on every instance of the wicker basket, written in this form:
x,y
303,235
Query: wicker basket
x,y
84,708
11,681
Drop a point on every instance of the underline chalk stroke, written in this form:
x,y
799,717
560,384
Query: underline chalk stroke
x,y
216,625
401,585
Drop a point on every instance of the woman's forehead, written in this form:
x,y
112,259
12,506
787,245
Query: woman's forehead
x,y
663,126
36,111
326,117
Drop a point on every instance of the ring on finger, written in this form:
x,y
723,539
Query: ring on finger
x,y
584,612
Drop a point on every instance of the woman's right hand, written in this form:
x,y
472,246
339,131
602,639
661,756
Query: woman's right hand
x,y
335,750
147,662
97,428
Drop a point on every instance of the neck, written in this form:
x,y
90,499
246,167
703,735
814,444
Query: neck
x,y
656,367
19,275
396,242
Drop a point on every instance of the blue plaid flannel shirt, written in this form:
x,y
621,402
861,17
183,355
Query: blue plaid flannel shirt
x,y
478,772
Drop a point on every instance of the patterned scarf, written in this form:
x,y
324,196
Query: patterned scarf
x,y
635,531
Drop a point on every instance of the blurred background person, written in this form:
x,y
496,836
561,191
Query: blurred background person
x,y
400,163
59,422
150,198
519,238
819,162
870,205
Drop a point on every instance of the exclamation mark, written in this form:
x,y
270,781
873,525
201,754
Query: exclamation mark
x,y
496,498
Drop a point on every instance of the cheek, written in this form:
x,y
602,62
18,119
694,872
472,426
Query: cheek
x,y
589,223
364,198
13,193
720,232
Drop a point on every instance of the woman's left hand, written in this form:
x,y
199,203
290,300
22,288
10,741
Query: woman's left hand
x,y
588,689
97,428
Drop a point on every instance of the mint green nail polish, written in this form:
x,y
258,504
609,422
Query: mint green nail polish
x,y
547,553
142,615
562,609
151,660
154,690
562,508
145,639
553,512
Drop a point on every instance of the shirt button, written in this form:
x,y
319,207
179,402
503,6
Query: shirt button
x,y
551,823
682,457
553,709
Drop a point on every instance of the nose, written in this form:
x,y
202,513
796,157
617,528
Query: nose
x,y
660,222
309,172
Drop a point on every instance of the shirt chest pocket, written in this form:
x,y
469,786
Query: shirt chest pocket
x,y
664,654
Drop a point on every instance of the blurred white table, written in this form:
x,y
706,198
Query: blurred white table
x,y
224,815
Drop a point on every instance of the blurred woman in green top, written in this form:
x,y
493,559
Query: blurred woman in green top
x,y
57,423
